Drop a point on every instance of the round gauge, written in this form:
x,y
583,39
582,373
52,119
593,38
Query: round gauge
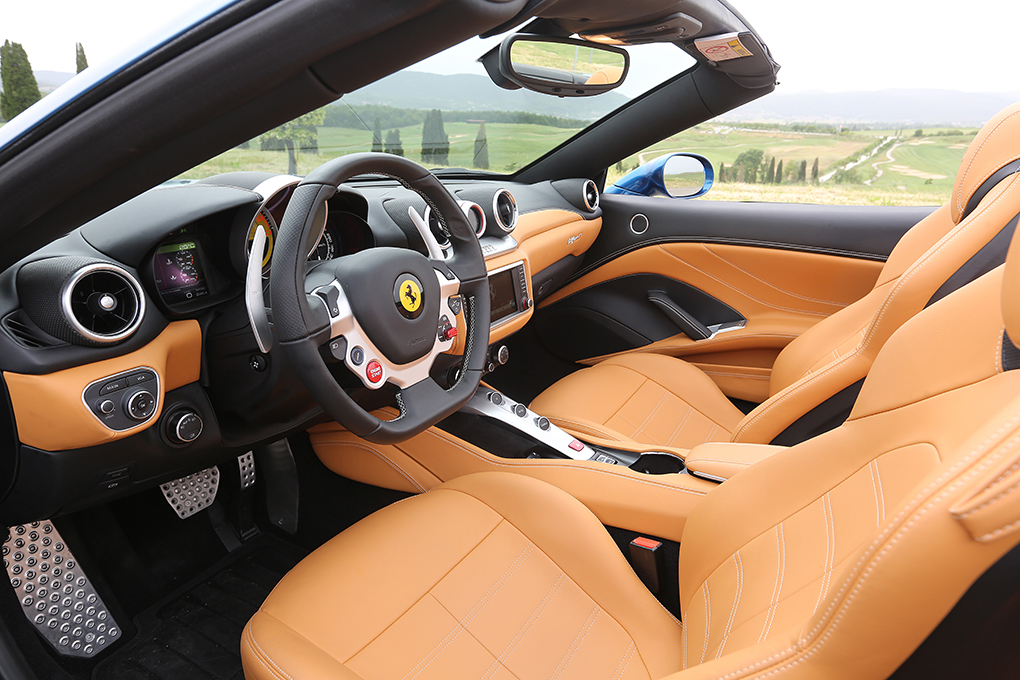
x,y
262,220
325,249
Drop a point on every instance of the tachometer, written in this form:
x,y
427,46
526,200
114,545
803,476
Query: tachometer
x,y
265,220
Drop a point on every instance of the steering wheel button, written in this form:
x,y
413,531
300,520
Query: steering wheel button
x,y
331,296
358,356
454,304
374,371
450,333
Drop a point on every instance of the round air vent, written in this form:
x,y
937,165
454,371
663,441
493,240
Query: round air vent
x,y
590,194
81,300
103,303
437,229
504,209
475,216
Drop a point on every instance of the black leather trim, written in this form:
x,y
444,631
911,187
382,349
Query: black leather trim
x,y
826,416
986,186
977,638
1010,353
860,232
991,255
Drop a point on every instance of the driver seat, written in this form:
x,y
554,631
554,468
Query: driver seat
x,y
834,558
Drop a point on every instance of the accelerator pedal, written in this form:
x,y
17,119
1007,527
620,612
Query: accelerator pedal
x,y
193,493
55,594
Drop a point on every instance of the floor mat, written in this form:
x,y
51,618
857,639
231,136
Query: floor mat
x,y
195,633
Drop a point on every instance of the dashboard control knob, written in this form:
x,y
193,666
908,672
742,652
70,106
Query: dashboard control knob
x,y
543,423
184,426
520,411
501,354
496,398
107,406
140,405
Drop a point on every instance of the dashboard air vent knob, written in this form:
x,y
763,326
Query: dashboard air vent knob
x,y
591,195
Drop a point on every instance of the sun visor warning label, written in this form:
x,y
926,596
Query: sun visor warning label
x,y
722,47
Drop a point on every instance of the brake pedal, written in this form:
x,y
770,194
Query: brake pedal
x,y
55,594
193,493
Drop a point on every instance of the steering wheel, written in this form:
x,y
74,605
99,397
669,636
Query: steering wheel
x,y
385,312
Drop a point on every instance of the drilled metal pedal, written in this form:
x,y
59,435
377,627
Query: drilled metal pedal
x,y
246,463
55,594
190,494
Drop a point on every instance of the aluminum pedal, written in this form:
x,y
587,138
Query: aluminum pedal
x,y
55,594
246,463
193,493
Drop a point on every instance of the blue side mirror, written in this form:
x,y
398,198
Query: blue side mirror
x,y
675,175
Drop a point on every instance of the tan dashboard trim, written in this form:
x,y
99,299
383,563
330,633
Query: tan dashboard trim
x,y
48,408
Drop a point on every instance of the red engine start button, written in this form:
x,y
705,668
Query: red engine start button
x,y
374,371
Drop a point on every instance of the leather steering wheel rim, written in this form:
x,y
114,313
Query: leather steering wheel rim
x,y
302,324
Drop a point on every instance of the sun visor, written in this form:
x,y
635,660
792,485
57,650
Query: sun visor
x,y
739,55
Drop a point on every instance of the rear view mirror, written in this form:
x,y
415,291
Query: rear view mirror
x,y
678,175
565,67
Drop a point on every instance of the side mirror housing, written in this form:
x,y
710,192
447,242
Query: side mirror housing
x,y
675,175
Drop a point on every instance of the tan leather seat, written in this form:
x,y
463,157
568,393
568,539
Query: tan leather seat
x,y
664,401
834,558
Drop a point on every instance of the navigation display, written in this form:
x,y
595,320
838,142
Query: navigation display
x,y
502,300
177,270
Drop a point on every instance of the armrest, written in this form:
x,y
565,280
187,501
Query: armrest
x,y
719,461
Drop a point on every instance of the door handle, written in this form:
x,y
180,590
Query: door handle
x,y
680,317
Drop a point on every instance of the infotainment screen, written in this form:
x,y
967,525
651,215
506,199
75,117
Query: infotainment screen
x,y
501,295
177,270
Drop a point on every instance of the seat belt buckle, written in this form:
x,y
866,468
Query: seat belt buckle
x,y
648,558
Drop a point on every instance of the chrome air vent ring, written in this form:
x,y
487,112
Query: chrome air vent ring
x,y
590,195
504,210
103,303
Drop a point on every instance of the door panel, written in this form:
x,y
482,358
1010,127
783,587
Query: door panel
x,y
782,268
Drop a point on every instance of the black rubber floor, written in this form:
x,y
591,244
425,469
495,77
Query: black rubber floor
x,y
195,633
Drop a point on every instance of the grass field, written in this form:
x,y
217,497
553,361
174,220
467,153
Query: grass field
x,y
908,171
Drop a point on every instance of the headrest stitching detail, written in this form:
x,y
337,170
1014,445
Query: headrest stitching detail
x,y
977,153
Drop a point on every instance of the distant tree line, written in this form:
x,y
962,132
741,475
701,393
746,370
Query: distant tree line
x,y
750,168
339,115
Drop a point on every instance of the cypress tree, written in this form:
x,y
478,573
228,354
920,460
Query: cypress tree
x,y
722,173
20,87
802,172
779,173
770,174
377,139
393,143
814,171
427,139
481,159
79,58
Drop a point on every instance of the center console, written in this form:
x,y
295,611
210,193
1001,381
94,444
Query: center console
x,y
555,443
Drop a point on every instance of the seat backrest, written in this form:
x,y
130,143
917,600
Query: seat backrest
x,y
816,378
837,557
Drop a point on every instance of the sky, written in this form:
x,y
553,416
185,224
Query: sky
x,y
835,47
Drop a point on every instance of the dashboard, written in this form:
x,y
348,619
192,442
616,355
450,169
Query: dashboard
x,y
129,357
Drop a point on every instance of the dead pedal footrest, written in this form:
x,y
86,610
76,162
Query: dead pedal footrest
x,y
55,594
195,492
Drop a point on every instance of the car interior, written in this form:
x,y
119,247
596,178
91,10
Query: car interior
x,y
382,421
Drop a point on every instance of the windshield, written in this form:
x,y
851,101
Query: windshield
x,y
444,112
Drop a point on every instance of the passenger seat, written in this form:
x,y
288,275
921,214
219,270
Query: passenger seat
x,y
655,399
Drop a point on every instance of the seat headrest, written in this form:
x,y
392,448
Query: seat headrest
x,y
995,147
